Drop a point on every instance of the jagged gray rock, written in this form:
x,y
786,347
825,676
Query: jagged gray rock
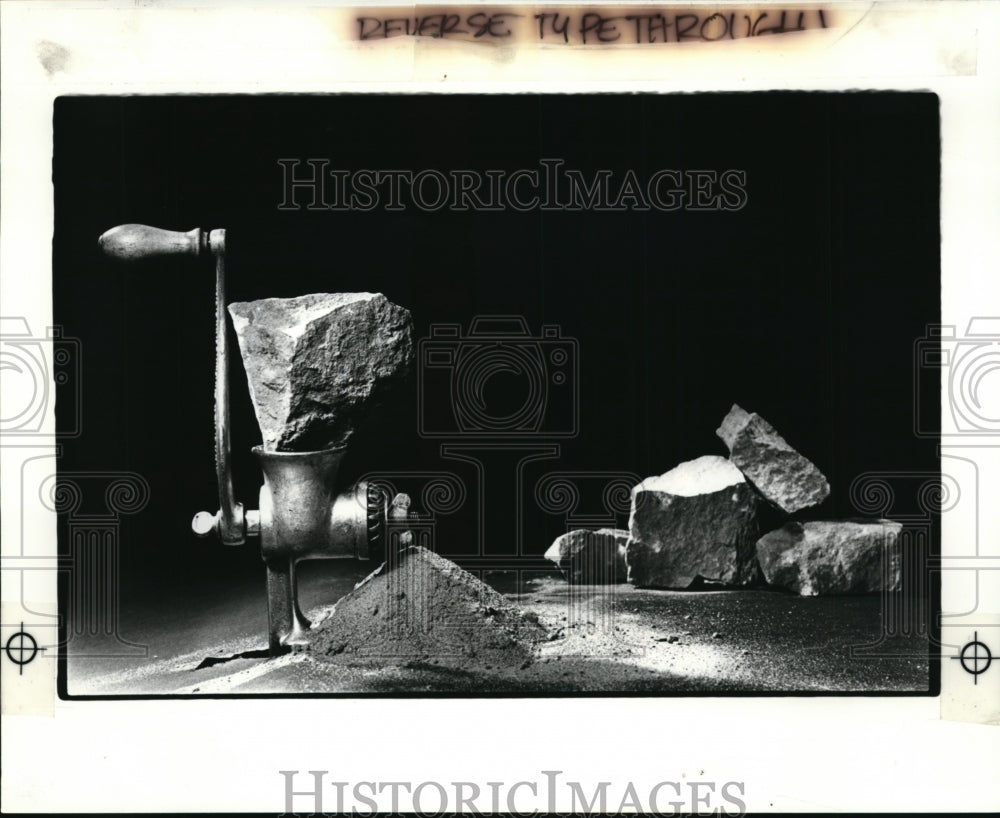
x,y
782,475
697,520
833,557
591,557
317,364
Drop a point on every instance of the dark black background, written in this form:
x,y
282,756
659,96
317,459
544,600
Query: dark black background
x,y
803,306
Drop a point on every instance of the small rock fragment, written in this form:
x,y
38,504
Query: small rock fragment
x,y
833,557
782,475
399,515
318,363
697,520
591,557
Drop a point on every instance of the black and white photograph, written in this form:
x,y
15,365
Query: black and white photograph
x,y
489,409
513,395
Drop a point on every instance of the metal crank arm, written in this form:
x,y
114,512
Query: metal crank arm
x,y
132,242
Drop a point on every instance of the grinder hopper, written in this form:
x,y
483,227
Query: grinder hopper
x,y
303,512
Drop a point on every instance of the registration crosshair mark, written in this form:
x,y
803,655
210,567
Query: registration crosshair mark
x,y
21,648
981,657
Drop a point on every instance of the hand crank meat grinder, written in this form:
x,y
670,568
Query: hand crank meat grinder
x,y
303,512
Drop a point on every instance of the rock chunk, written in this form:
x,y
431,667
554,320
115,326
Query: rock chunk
x,y
782,475
318,363
588,557
426,609
697,520
842,557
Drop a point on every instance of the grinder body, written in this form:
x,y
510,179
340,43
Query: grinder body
x,y
302,516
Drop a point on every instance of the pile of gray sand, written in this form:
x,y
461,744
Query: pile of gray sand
x,y
424,609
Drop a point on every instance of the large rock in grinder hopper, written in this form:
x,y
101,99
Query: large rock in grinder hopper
x,y
317,364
